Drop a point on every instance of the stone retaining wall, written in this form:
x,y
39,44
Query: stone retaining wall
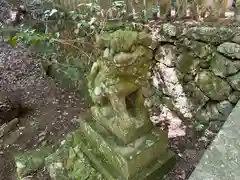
x,y
197,72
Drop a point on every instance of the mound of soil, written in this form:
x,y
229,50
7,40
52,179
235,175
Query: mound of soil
x,y
51,109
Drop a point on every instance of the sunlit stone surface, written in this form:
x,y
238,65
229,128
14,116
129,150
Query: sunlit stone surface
x,y
222,160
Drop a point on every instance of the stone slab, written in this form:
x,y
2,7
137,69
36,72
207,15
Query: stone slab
x,y
146,156
221,161
153,172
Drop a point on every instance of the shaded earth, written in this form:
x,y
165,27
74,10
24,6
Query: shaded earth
x,y
51,110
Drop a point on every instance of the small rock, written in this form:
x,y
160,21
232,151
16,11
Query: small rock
x,y
197,97
213,112
5,128
204,64
211,85
215,126
200,49
203,142
188,77
154,45
230,49
44,143
187,63
222,66
43,133
225,108
202,116
209,134
190,154
234,97
234,81
168,102
199,127
156,100
170,29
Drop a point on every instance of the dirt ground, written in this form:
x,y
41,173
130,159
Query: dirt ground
x,y
51,109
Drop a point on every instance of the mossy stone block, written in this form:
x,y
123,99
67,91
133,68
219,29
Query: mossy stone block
x,y
134,161
69,163
31,161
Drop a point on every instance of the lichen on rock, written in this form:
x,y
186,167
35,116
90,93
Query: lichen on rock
x,y
170,30
213,86
195,67
230,49
213,35
234,81
222,66
187,63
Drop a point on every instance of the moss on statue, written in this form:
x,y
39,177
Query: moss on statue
x,y
118,134
116,79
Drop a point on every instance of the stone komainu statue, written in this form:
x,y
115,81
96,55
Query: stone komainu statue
x,y
116,79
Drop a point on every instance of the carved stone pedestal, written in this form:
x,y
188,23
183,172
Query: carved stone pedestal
x,y
145,158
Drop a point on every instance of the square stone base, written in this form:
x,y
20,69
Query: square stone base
x,y
145,158
155,171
